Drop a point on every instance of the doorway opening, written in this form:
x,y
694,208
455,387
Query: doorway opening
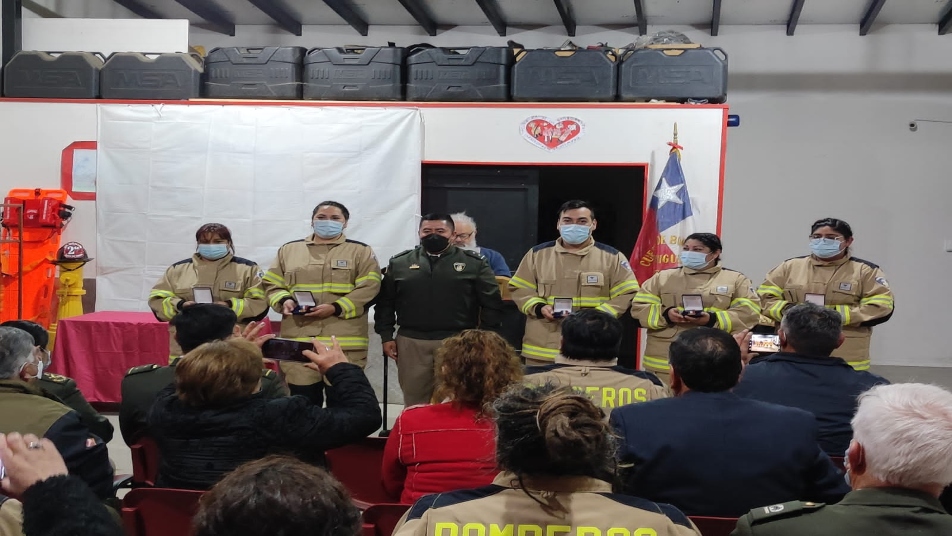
x,y
516,207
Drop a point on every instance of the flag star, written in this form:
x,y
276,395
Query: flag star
x,y
666,193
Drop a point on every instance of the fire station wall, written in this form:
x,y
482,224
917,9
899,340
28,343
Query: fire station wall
x,y
825,131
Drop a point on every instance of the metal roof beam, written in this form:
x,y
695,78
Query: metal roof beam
x,y
416,10
870,16
11,26
215,18
139,9
42,11
794,16
568,19
945,23
491,9
642,19
345,10
280,14
716,18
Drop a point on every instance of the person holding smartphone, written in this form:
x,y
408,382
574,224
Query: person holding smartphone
x,y
831,277
213,274
322,286
698,293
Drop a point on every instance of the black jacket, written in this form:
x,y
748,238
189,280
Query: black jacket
x,y
143,383
199,445
715,454
827,387
432,298
64,506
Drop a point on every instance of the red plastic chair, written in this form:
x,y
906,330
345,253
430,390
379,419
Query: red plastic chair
x,y
358,466
159,511
714,526
145,462
381,519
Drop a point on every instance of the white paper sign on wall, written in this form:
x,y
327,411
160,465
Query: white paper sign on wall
x,y
551,134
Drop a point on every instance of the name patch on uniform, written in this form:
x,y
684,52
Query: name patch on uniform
x,y
459,266
231,285
414,266
591,279
721,289
340,263
846,286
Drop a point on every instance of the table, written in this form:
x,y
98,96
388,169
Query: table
x,y
97,349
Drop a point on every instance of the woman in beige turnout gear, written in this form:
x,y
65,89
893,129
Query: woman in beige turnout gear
x,y
212,273
557,457
831,276
723,298
340,275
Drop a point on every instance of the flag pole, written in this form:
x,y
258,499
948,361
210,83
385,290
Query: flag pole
x,y
675,148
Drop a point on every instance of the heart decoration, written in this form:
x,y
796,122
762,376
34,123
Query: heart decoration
x,y
551,134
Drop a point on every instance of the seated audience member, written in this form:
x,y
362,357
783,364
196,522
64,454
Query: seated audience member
x,y
53,502
277,495
712,453
215,417
899,460
451,445
464,237
62,388
194,326
803,375
28,410
556,455
588,361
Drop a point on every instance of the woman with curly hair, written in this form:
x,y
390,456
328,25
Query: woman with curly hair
x,y
451,444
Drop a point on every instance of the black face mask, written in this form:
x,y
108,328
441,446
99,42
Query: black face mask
x,y
434,243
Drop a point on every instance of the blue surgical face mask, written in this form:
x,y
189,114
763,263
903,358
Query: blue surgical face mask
x,y
213,252
574,234
327,228
694,260
824,248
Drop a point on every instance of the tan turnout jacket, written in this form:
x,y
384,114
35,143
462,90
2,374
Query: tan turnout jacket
x,y
728,297
855,288
576,506
594,277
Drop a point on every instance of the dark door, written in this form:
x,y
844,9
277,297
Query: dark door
x,y
504,203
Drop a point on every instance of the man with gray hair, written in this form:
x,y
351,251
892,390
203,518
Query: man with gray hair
x,y
27,410
899,460
804,375
465,238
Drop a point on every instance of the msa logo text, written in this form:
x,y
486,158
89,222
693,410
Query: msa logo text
x,y
51,78
146,79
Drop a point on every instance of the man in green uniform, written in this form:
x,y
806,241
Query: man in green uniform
x,y
27,410
897,464
433,291
194,326
62,388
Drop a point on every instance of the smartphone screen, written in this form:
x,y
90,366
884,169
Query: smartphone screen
x,y
202,294
766,344
304,298
286,350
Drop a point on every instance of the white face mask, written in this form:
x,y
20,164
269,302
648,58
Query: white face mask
x,y
34,361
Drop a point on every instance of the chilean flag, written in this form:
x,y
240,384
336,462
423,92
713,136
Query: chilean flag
x,y
668,222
